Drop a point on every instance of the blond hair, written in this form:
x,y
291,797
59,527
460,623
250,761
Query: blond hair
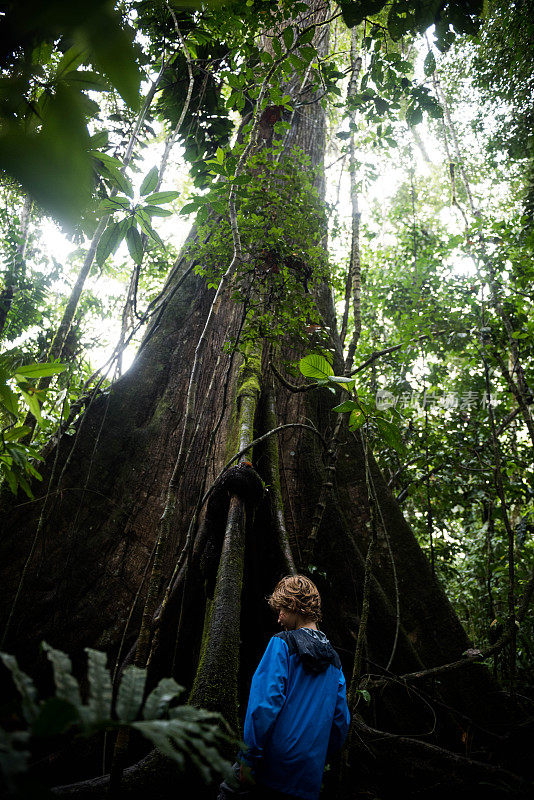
x,y
298,594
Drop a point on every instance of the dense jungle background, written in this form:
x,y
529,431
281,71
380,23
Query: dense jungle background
x,y
265,308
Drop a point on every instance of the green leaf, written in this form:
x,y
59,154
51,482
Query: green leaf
x,y
135,244
288,35
429,65
391,434
162,197
66,684
100,687
112,174
308,53
36,370
159,698
414,115
33,404
381,105
149,230
346,383
241,180
307,36
85,80
190,733
71,60
25,687
298,63
131,691
9,400
115,204
356,419
45,161
109,161
10,477
154,211
346,405
13,434
109,241
277,47
112,46
150,181
315,366
219,155
189,208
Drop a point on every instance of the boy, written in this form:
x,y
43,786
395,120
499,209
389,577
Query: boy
x,y
297,711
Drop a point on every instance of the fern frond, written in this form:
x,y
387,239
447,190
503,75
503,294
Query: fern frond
x,y
159,698
191,734
67,687
131,691
100,688
25,687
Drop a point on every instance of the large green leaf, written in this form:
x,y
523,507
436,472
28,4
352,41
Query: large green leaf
x,y
150,181
135,244
346,405
33,404
52,164
39,370
154,211
162,197
110,168
315,366
9,400
109,241
391,434
114,51
356,419
14,434
345,382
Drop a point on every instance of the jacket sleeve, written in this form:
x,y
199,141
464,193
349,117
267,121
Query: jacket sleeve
x,y
340,723
267,696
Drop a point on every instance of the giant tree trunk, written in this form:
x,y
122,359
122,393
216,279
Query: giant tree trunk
x,y
92,533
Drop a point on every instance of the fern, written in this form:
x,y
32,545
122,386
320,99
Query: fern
x,y
25,686
188,734
67,687
100,686
160,698
131,691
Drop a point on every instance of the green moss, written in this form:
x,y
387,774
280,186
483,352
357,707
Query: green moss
x,y
215,684
249,376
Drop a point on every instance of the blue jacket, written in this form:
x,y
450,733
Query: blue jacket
x,y
297,712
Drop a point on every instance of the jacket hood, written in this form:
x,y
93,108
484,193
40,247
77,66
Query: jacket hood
x,y
312,647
